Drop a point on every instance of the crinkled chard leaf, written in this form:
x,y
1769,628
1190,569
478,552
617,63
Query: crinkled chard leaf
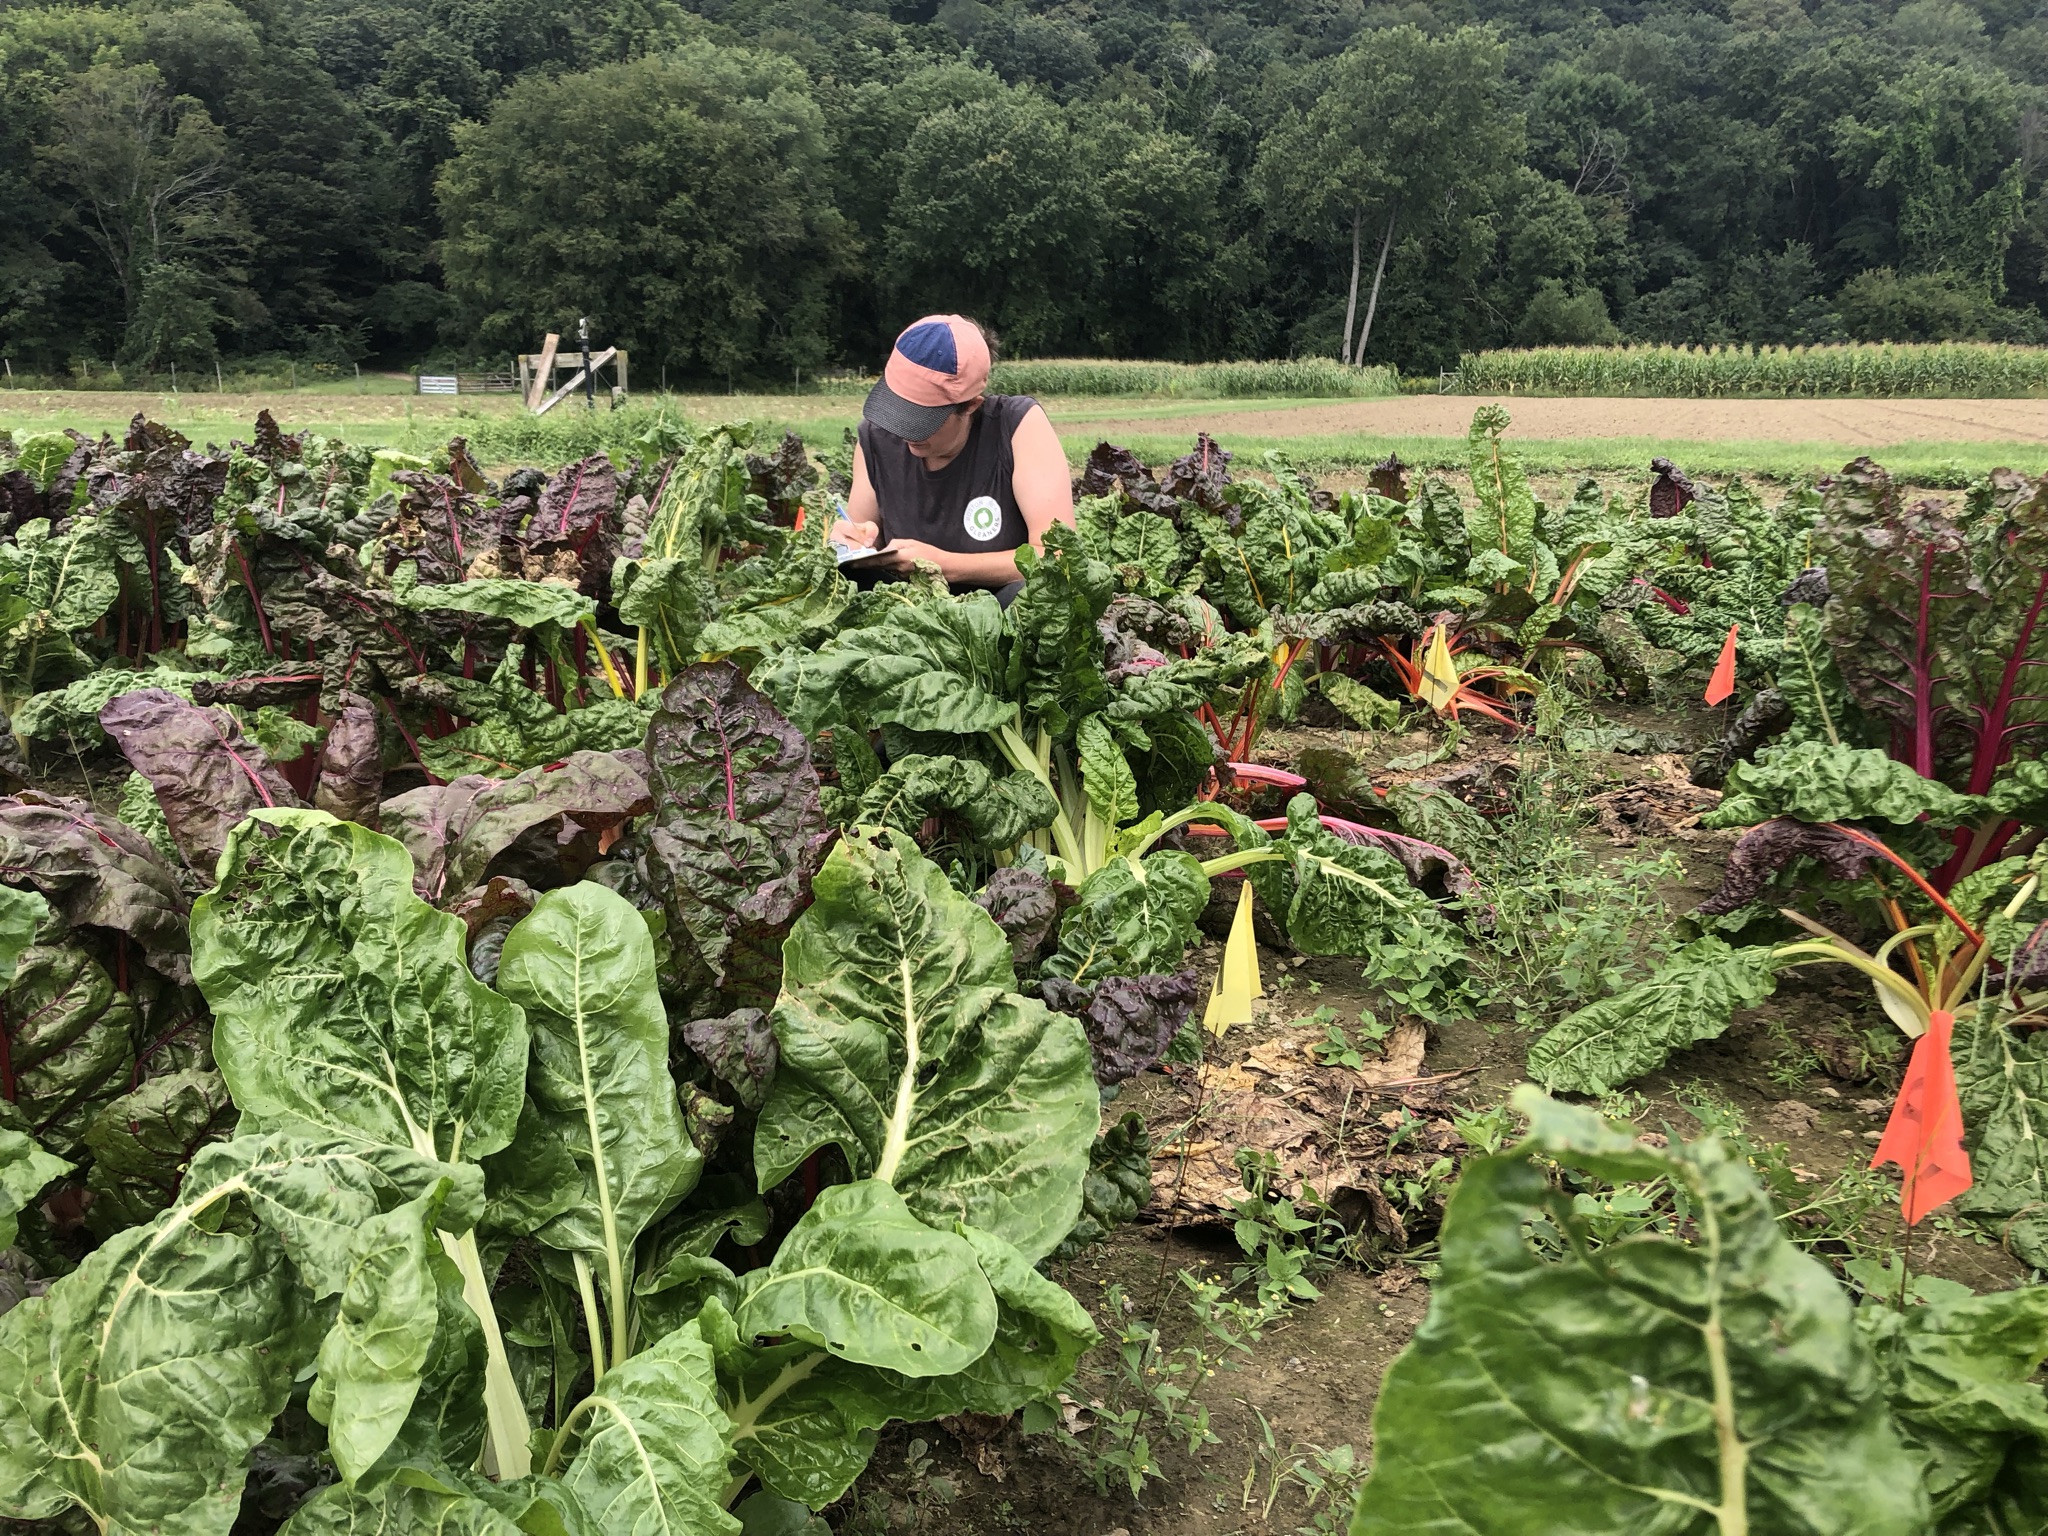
x,y
25,1168
2002,1081
905,1044
1958,1370
352,764
1769,847
454,830
1638,1385
21,914
96,873
995,810
209,1317
737,834
343,1004
69,1038
206,775
1130,1020
739,1048
1817,781
142,1143
582,966
935,667
1132,917
374,1357
1026,905
1119,1183
862,1278
656,1446
1692,996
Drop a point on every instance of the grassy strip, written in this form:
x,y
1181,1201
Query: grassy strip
x,y
1937,465
500,434
1973,370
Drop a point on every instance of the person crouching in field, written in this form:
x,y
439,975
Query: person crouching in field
x,y
947,473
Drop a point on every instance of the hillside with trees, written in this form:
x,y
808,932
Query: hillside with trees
x,y
742,189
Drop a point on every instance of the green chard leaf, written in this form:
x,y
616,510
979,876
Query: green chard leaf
x,y
863,1279
1131,917
99,1377
343,1004
581,964
656,1445
1641,1385
24,1169
904,1042
1819,781
1692,996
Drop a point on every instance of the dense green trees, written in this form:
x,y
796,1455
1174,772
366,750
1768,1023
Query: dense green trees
x,y
740,188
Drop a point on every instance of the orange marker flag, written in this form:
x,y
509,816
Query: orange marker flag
x,y
1722,683
1925,1133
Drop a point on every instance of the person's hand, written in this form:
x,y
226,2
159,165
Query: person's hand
x,y
854,535
900,555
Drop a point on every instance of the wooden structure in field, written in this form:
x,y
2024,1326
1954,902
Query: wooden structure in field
x,y
537,372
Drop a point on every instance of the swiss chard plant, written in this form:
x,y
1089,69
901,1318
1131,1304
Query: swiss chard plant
x,y
425,1165
1696,1374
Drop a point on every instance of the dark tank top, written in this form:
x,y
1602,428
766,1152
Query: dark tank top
x,y
969,507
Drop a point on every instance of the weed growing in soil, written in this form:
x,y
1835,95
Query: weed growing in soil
x,y
1327,1480
1566,927
1146,1395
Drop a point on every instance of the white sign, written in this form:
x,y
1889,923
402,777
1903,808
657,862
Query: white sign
x,y
437,384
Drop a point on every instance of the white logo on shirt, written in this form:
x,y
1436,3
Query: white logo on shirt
x,y
983,518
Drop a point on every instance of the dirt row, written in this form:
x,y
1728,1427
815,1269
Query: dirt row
x,y
1877,423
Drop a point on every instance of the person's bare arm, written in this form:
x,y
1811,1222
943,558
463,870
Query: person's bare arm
x,y
862,525
1045,495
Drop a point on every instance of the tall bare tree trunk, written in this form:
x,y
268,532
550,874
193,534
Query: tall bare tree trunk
x,y
1351,305
1378,272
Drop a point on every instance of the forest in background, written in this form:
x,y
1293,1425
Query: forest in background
x,y
739,190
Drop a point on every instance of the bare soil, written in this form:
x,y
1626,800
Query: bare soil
x,y
1877,423
1311,1381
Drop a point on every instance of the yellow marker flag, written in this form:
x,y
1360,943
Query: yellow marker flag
x,y
1439,672
1237,978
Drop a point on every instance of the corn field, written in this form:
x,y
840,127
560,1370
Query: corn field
x,y
1980,369
1310,376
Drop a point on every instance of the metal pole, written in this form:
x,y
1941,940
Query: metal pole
x,y
589,384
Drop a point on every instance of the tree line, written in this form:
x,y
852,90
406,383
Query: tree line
x,y
753,190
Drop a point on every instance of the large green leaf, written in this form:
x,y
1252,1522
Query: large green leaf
x,y
862,1278
1339,898
582,966
343,1004
142,1143
431,1498
1958,1370
1637,1387
656,1445
1055,652
991,808
24,1169
21,913
931,667
2002,1081
69,1038
1819,781
375,1354
1691,997
1131,917
904,1043
135,1387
